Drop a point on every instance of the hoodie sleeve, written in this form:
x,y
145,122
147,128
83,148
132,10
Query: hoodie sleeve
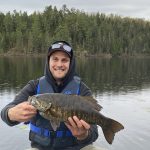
x,y
93,132
22,96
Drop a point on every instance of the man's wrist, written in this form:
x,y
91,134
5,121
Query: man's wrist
x,y
84,136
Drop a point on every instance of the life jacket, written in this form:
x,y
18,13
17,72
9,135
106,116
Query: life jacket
x,y
41,130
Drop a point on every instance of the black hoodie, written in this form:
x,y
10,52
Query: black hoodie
x,y
65,81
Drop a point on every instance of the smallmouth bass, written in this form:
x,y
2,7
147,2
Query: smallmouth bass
x,y
57,107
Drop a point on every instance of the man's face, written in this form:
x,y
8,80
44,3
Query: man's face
x,y
59,63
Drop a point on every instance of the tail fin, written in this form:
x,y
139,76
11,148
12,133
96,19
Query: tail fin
x,y
110,128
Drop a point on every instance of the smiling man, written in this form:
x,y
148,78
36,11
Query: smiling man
x,y
59,77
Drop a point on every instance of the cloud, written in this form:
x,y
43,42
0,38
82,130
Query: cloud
x,y
133,8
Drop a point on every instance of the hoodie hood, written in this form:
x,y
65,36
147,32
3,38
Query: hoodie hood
x,y
66,79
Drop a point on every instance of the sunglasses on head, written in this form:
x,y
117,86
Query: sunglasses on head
x,y
60,45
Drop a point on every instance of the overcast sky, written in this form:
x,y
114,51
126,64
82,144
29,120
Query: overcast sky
x,y
131,8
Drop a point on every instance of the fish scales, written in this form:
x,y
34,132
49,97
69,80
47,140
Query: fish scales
x,y
57,107
64,107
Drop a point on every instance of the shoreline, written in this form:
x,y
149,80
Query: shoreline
x,y
85,55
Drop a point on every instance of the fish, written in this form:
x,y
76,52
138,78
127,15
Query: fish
x,y
57,107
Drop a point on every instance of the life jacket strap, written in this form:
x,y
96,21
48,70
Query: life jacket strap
x,y
48,133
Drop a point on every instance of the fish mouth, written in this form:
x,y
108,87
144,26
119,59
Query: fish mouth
x,y
33,101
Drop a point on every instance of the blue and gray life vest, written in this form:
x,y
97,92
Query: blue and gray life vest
x,y
72,87
41,126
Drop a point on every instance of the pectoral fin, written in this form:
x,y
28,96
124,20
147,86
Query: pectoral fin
x,y
48,106
55,124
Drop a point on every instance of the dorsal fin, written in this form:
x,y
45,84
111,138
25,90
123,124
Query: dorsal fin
x,y
92,102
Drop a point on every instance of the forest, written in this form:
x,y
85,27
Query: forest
x,y
89,34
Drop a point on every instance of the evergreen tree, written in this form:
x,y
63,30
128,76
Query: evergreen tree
x,y
91,33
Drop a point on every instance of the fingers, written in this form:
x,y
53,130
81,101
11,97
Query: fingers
x,y
76,123
22,112
79,128
72,122
28,111
85,124
28,106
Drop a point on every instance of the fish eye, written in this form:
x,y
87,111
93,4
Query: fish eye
x,y
33,100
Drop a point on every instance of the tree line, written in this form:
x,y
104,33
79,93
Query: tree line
x,y
92,34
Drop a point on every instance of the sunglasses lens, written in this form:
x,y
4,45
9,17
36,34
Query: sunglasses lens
x,y
56,46
67,48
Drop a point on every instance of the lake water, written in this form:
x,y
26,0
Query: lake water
x,y
121,86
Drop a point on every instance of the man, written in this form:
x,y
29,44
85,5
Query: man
x,y
59,77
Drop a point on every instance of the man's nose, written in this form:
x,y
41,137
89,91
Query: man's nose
x,y
59,63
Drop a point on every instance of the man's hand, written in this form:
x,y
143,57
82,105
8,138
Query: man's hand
x,y
22,112
79,128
